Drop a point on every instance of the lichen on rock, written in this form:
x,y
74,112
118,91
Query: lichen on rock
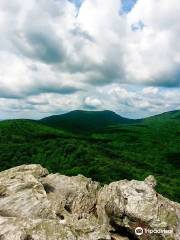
x,y
36,205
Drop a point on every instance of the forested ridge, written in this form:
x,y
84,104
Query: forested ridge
x,y
117,149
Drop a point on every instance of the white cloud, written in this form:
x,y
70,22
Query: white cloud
x,y
153,53
150,90
51,50
92,103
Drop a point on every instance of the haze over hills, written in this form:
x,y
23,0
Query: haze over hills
x,y
106,147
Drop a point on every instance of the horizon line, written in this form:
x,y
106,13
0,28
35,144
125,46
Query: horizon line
x,y
82,110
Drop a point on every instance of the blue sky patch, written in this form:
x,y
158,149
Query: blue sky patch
x,y
127,5
77,2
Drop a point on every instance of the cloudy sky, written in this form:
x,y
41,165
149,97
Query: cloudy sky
x,y
61,55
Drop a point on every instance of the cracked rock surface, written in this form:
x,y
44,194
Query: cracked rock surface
x,y
36,205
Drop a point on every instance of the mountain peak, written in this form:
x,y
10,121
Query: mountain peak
x,y
85,121
91,111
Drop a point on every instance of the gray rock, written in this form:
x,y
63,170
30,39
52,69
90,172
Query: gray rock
x,y
150,180
131,204
36,205
77,195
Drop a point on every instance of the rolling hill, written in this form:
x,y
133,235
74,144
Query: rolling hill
x,y
114,148
24,130
85,121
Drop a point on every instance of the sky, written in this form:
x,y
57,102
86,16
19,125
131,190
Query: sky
x,y
61,55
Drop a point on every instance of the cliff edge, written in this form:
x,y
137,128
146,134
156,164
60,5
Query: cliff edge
x,y
36,205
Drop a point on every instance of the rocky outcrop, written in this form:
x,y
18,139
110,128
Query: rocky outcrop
x,y
36,205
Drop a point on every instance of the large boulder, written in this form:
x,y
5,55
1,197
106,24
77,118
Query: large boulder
x,y
36,205
76,195
21,193
128,205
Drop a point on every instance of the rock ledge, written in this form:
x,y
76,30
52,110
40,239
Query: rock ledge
x,y
36,205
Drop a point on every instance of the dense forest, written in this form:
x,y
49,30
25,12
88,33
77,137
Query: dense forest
x,y
100,145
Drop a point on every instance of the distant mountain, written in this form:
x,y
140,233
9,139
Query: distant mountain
x,y
85,121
